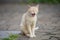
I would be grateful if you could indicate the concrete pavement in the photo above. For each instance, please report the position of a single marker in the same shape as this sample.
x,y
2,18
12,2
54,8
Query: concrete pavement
x,y
48,20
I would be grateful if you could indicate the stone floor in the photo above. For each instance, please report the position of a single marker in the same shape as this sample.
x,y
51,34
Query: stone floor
x,y
48,20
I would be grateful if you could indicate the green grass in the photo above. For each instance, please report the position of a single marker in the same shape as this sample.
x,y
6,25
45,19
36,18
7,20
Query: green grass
x,y
44,1
11,37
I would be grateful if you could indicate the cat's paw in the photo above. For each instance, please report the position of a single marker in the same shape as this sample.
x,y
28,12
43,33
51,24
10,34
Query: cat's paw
x,y
29,35
34,35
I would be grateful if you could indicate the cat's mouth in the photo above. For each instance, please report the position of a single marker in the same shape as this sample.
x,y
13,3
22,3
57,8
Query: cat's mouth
x,y
33,14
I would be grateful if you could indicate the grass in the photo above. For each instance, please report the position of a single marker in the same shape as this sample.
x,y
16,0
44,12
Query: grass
x,y
11,37
44,1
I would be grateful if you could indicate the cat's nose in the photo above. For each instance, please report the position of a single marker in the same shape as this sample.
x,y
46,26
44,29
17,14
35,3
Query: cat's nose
x,y
33,13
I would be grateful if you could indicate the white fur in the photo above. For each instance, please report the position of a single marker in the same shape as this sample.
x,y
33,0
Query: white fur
x,y
28,22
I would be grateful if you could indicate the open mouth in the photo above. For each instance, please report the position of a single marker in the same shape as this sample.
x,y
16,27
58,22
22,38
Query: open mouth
x,y
33,14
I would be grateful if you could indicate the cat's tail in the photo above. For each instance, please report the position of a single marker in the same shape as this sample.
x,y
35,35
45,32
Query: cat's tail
x,y
36,28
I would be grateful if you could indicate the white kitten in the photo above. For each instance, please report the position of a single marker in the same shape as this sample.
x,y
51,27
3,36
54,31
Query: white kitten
x,y
28,23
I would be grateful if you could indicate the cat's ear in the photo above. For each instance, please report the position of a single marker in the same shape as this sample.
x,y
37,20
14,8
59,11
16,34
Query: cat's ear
x,y
29,6
37,6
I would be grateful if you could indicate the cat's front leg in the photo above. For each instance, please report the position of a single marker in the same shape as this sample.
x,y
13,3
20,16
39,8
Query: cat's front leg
x,y
33,29
29,31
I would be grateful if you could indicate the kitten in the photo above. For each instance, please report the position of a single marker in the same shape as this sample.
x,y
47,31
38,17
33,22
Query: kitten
x,y
28,23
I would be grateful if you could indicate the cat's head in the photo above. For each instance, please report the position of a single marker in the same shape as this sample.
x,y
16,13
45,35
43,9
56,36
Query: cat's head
x,y
33,10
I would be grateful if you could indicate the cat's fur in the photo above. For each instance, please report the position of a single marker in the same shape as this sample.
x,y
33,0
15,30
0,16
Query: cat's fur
x,y
28,23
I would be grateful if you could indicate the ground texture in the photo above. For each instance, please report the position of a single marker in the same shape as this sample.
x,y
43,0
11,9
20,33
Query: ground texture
x,y
48,20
